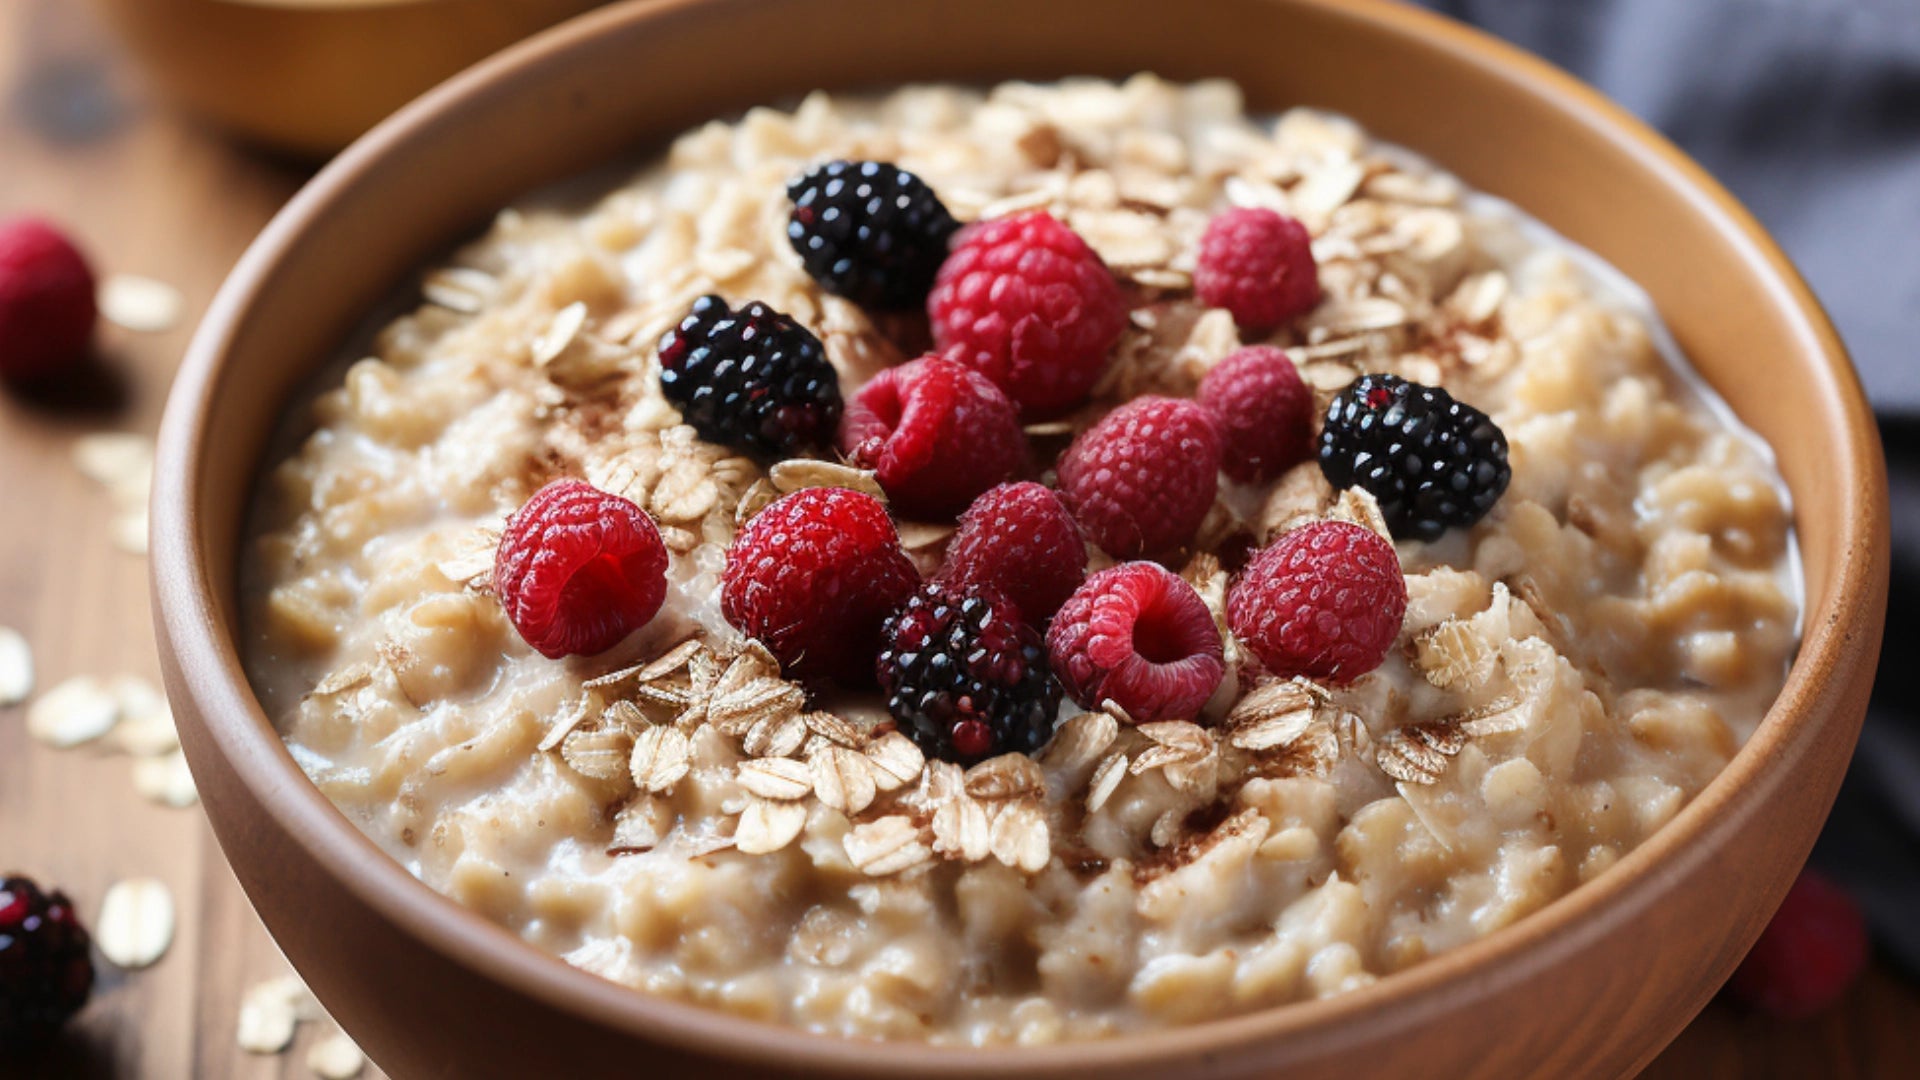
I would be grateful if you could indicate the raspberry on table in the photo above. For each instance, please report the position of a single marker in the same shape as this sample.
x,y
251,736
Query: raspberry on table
x,y
1258,264
1324,601
812,577
578,569
752,379
1026,302
1430,461
47,307
936,433
1138,634
966,679
46,969
1019,540
1809,954
1263,411
869,231
1141,480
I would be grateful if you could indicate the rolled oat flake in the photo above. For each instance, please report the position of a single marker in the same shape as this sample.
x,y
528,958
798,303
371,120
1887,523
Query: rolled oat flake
x,y
136,923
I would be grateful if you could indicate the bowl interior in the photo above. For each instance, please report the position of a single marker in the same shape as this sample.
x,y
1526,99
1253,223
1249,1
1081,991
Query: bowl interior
x,y
622,78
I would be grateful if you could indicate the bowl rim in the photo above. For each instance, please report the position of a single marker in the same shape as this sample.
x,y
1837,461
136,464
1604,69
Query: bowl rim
x,y
191,627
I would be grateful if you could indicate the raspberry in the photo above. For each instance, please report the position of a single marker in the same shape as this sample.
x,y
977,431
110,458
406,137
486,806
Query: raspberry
x,y
1323,601
1431,461
754,379
1142,479
1258,264
46,971
1814,948
1026,302
965,677
46,300
1138,634
1019,539
869,231
936,433
578,569
813,576
1264,413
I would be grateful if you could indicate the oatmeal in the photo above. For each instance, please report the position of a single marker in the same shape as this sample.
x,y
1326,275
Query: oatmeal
x,y
1594,620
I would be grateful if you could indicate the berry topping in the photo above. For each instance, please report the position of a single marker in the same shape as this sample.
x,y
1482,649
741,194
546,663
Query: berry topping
x,y
936,434
1142,479
46,971
578,569
1263,411
965,677
1137,634
1431,461
1814,948
813,576
1324,601
1026,302
46,301
1258,264
869,231
1019,540
752,379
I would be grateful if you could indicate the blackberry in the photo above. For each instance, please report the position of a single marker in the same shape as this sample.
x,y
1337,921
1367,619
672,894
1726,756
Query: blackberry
x,y
1431,461
869,231
46,971
753,379
965,677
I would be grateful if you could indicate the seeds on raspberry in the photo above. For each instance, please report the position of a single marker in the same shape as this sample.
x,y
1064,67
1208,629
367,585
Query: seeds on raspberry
x,y
1026,302
812,577
1810,953
47,306
936,433
753,379
46,970
1141,481
869,231
1019,540
1431,462
579,569
1324,601
1258,264
1140,635
965,677
1263,411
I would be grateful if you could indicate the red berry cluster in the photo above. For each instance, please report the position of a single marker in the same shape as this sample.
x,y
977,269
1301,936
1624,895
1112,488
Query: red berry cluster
x,y
1024,319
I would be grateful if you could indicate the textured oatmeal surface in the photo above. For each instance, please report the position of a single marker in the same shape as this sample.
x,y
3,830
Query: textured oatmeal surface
x,y
675,816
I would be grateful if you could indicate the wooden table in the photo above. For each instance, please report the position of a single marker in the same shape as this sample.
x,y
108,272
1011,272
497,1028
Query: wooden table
x,y
149,192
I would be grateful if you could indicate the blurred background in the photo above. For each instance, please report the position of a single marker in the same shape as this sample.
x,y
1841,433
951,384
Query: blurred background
x,y
138,127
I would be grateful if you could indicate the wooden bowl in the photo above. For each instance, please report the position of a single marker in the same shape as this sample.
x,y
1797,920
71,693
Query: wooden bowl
x,y
1593,985
308,76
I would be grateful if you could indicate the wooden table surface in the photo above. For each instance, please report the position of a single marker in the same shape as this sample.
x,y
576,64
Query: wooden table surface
x,y
148,192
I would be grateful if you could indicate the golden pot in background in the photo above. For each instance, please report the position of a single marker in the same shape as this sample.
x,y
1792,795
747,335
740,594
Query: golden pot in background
x,y
308,76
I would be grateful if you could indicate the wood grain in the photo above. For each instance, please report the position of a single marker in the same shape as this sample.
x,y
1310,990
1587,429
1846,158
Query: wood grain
x,y
151,193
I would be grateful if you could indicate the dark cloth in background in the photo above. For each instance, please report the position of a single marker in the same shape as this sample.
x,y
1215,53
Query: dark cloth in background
x,y
1809,110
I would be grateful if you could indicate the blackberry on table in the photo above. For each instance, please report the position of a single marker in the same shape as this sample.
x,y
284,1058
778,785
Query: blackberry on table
x,y
46,970
753,379
869,231
966,679
1432,462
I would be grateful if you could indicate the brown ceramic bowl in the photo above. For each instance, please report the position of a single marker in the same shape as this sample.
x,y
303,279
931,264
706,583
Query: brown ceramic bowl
x,y
1593,985
308,76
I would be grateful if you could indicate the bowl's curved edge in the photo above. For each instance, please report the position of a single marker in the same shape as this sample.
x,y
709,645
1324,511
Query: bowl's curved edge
x,y
191,627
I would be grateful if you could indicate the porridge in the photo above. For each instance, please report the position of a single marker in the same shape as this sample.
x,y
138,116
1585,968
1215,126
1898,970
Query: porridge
x,y
1248,675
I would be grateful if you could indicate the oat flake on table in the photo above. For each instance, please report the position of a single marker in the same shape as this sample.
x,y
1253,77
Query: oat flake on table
x,y
136,923
16,667
76,711
140,303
